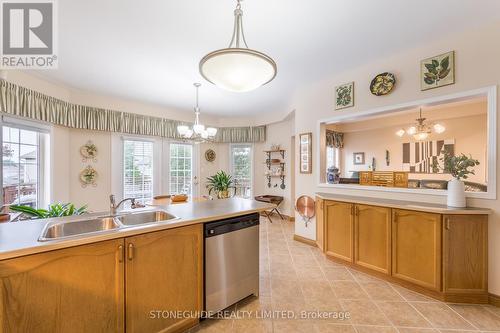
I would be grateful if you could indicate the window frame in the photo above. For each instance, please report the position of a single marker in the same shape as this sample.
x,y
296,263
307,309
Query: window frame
x,y
153,162
231,165
194,172
44,189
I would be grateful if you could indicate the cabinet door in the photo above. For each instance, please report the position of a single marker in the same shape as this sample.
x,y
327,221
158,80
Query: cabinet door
x,y
465,253
164,272
339,230
78,289
416,247
372,237
320,227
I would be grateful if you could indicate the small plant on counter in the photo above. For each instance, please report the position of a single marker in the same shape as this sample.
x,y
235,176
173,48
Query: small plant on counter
x,y
457,166
221,182
54,210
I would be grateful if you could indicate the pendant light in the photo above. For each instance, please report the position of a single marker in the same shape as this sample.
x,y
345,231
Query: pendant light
x,y
197,133
421,130
238,68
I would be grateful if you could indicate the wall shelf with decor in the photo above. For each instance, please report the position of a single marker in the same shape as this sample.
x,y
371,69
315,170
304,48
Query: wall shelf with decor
x,y
276,172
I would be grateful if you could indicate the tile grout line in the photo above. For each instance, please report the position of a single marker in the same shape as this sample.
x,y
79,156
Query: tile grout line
x,y
467,321
373,301
414,308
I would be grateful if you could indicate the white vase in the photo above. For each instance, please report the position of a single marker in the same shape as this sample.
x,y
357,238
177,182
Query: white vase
x,y
456,193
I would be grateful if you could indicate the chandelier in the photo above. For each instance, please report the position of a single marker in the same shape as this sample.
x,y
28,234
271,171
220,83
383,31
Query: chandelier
x,y
238,68
198,133
421,130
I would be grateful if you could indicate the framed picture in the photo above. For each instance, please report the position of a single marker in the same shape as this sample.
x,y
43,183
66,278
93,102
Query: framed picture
x,y
305,144
344,96
437,71
358,158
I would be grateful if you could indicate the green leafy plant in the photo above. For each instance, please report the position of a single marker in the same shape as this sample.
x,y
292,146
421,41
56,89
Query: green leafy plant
x,y
458,166
436,71
54,210
221,182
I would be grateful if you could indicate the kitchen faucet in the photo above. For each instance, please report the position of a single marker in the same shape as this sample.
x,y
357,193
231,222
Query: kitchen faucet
x,y
113,207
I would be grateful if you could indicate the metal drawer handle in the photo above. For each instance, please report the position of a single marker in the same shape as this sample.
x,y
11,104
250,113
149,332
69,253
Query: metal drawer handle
x,y
121,253
130,251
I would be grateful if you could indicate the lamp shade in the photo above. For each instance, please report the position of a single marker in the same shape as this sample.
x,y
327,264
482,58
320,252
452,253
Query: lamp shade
x,y
238,69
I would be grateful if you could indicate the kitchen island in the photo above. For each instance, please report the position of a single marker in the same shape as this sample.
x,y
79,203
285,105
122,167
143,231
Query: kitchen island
x,y
141,278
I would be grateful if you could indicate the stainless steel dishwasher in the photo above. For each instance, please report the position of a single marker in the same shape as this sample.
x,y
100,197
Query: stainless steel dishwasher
x,y
231,261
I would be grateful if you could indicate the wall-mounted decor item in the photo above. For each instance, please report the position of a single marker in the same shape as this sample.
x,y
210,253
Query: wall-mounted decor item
x,y
382,84
437,71
305,140
88,176
426,156
344,96
89,152
387,158
306,207
358,158
210,155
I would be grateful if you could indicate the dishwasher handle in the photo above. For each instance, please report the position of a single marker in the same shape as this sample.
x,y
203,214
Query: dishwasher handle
x,y
221,227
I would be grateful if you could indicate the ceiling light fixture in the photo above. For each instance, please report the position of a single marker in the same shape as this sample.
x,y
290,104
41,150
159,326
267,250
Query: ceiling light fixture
x,y
421,130
197,133
238,68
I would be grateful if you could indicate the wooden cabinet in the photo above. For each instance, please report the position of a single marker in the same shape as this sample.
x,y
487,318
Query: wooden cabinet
x,y
78,289
465,254
416,248
442,255
339,230
164,271
372,237
320,227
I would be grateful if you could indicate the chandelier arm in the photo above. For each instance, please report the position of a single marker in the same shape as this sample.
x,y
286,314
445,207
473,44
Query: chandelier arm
x,y
234,31
242,33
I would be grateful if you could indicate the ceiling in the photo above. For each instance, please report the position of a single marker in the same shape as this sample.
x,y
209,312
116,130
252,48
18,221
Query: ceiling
x,y
149,50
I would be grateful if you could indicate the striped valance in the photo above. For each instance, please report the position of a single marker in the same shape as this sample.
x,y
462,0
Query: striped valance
x,y
22,102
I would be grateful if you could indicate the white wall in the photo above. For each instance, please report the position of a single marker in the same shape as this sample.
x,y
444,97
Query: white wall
x,y
477,54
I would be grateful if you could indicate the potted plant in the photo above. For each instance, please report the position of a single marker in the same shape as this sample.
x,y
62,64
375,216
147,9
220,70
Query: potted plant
x,y
459,167
54,210
221,182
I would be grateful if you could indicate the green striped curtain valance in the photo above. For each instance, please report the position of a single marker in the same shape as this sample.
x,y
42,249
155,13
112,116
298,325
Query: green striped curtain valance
x,y
22,102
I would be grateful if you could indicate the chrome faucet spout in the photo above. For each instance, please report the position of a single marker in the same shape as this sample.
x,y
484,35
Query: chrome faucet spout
x,y
113,206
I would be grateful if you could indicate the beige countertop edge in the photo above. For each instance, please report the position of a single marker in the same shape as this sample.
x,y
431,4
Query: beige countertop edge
x,y
408,205
39,247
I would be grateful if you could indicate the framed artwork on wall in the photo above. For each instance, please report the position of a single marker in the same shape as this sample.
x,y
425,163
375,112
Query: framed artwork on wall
x,y
305,145
437,71
344,96
358,158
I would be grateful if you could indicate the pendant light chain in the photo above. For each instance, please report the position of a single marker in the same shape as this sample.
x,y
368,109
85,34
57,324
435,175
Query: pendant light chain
x,y
238,34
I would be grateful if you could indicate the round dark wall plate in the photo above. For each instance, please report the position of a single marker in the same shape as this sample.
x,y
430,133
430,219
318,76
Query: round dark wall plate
x,y
383,84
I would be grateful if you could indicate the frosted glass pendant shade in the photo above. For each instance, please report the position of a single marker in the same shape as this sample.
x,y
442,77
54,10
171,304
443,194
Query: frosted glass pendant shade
x,y
238,70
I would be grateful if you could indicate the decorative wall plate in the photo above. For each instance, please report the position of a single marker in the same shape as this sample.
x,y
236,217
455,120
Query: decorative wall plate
x,y
210,155
89,151
88,176
382,84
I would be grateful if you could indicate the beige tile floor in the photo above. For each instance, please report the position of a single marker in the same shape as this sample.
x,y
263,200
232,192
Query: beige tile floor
x,y
297,278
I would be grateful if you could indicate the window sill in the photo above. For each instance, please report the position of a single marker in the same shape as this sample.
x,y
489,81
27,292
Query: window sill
x,y
476,195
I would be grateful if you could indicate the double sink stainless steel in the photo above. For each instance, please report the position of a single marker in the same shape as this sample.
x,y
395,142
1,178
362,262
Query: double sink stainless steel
x,y
70,229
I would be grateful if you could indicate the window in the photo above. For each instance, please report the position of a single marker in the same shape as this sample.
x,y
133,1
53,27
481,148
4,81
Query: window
x,y
241,169
181,168
138,170
23,167
332,157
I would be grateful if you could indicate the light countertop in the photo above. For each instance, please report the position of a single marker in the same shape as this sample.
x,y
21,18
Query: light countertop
x,y
402,204
21,238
